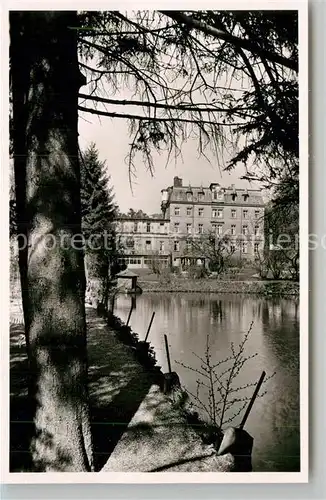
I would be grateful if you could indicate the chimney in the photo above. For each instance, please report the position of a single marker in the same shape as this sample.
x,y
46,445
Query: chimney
x,y
177,182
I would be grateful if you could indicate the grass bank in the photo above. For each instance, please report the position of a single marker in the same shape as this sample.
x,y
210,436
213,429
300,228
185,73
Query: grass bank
x,y
260,288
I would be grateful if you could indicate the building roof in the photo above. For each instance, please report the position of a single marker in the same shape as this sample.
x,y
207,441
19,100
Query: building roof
x,y
126,274
155,218
179,194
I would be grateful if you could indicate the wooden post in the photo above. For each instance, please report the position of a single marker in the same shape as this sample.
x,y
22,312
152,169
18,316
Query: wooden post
x,y
112,304
248,410
149,326
133,300
129,315
167,353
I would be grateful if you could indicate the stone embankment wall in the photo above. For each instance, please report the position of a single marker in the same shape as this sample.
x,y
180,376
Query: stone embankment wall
x,y
261,288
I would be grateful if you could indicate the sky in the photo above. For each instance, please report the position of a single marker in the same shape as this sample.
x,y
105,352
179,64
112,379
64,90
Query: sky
x,y
112,140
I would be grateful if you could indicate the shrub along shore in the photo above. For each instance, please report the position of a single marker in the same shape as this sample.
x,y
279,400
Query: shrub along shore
x,y
206,285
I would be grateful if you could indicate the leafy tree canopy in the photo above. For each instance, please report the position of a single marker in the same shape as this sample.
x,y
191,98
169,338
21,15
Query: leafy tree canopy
x,y
227,79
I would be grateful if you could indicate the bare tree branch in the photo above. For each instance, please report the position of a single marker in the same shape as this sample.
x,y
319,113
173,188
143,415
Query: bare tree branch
x,y
244,44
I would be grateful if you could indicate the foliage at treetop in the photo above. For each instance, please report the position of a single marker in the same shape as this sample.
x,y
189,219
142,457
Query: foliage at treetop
x,y
282,249
98,215
227,79
97,199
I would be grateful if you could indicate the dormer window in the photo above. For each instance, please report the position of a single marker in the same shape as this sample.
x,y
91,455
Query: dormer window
x,y
217,192
189,193
245,195
234,196
201,194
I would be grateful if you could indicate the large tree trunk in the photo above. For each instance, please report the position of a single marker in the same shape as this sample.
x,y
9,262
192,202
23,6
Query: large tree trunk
x,y
45,81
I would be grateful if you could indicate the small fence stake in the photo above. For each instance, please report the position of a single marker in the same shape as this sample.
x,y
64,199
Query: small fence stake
x,y
167,352
129,315
149,326
248,410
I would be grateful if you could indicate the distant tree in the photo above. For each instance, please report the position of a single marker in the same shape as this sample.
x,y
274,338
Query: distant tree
x,y
98,222
156,264
282,237
138,214
217,250
131,213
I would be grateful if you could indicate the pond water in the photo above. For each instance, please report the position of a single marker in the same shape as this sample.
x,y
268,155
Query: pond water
x,y
188,318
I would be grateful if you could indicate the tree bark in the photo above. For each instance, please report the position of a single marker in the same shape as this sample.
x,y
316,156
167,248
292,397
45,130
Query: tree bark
x,y
45,81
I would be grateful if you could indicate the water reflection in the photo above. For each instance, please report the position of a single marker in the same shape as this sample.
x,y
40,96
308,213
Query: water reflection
x,y
187,319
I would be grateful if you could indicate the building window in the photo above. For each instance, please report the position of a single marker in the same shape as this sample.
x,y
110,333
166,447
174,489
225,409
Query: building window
x,y
135,227
176,246
214,228
188,228
220,213
188,246
134,261
233,230
200,228
214,195
214,213
177,211
176,227
233,213
189,210
256,230
130,242
245,196
244,230
200,212
148,227
244,247
232,248
219,229
189,196
148,244
234,196
161,224
200,196
256,248
257,213
245,214
161,246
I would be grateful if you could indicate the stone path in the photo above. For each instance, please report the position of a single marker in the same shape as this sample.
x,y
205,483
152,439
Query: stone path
x,y
158,439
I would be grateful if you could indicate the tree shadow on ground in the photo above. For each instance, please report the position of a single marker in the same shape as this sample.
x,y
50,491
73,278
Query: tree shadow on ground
x,y
22,430
117,386
21,426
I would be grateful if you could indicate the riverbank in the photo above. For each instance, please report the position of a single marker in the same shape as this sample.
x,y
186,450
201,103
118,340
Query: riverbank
x,y
135,425
208,285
